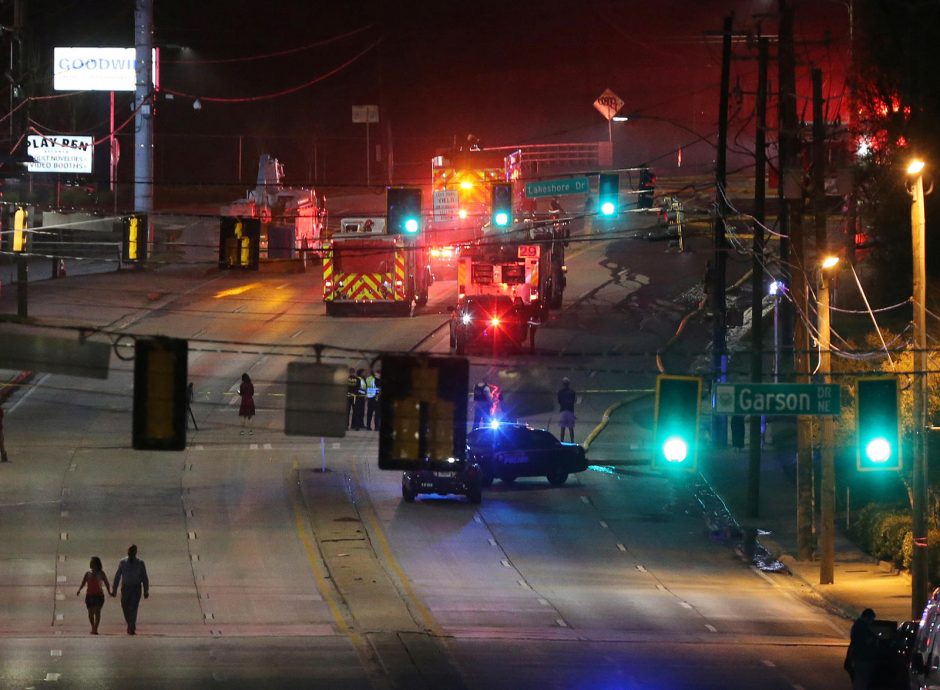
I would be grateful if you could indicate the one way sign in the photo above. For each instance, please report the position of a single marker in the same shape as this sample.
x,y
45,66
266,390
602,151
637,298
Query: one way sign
x,y
608,104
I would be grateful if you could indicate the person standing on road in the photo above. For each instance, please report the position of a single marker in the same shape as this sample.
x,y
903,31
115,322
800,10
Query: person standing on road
x,y
132,576
359,402
566,400
482,403
247,408
373,400
94,598
3,448
863,648
352,384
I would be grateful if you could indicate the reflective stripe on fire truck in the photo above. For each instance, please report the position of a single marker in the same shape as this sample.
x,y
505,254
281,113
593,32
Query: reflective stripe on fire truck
x,y
400,286
328,287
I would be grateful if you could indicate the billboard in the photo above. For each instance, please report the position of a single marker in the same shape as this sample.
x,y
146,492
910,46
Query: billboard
x,y
97,69
60,154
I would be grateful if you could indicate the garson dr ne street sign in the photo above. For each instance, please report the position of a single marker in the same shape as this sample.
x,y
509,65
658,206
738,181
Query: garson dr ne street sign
x,y
778,398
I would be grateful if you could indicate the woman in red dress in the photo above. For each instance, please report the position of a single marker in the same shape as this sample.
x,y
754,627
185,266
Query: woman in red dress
x,y
247,409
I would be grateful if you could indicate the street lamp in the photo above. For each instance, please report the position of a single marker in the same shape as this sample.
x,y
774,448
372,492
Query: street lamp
x,y
828,490
919,498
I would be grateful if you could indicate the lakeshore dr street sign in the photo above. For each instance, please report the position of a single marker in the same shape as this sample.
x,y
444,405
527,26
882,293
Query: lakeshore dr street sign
x,y
778,398
560,187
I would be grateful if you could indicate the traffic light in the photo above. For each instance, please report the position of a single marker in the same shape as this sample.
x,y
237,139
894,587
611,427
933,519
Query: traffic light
x,y
609,194
876,424
161,398
135,235
20,219
423,413
501,205
678,405
403,206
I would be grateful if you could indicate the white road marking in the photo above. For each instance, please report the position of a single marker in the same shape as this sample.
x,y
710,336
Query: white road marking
x,y
294,335
59,596
336,445
281,286
641,568
192,535
210,616
267,446
622,547
253,446
492,541
55,652
585,499
711,627
685,604
61,578
544,602
64,513
194,556
200,447
62,558
662,588
603,524
768,663
524,584
561,622
505,563
60,616
477,519
53,677
64,536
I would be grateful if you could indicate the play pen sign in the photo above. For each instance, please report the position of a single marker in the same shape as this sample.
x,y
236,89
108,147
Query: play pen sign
x,y
60,154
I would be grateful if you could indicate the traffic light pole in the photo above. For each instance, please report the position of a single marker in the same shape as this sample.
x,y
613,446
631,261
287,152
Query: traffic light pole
x,y
828,489
919,580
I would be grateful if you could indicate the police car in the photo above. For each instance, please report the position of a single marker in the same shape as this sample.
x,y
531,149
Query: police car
x,y
464,480
509,451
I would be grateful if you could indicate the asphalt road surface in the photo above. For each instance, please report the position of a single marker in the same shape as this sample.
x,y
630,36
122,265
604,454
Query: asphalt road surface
x,y
267,572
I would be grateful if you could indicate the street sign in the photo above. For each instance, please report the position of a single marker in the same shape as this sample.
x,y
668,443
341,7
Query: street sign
x,y
316,400
608,104
778,398
365,114
446,205
560,187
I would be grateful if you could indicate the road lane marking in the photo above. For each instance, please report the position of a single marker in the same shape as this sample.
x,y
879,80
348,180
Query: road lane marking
x,y
55,652
768,663
295,334
524,584
61,579
544,602
603,524
64,536
622,547
60,616
267,446
491,541
64,513
662,588
641,568
192,534
505,563
685,604
253,446
477,519
585,499
52,677
561,622
711,627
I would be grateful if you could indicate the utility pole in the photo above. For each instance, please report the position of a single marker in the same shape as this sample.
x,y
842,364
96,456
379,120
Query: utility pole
x,y
828,490
791,227
719,356
919,564
143,117
18,134
757,277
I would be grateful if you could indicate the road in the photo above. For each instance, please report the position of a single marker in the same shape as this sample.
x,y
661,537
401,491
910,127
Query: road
x,y
270,573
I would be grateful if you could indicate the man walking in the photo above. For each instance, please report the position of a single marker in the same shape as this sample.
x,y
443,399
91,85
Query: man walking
x,y
566,400
359,401
132,576
352,384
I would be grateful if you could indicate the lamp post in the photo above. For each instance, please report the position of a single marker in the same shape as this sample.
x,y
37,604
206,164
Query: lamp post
x,y
919,498
828,488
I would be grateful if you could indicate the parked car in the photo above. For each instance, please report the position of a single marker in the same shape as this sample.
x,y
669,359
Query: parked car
x,y
510,451
491,324
463,481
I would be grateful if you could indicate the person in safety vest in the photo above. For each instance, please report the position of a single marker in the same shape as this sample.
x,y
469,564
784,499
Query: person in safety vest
x,y
352,384
359,401
373,403
482,403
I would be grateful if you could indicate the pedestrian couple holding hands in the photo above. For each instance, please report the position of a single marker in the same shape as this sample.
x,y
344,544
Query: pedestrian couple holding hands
x,y
131,576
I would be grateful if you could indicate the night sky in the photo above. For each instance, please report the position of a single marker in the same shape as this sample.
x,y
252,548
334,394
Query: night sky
x,y
509,72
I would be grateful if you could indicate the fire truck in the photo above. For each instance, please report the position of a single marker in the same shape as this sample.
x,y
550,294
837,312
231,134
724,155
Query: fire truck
x,y
461,184
293,219
529,269
368,270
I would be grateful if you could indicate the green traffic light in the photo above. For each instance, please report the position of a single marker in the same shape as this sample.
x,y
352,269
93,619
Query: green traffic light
x,y
411,225
608,208
878,450
675,449
501,218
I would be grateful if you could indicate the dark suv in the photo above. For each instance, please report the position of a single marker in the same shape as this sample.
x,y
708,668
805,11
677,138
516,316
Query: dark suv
x,y
490,323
